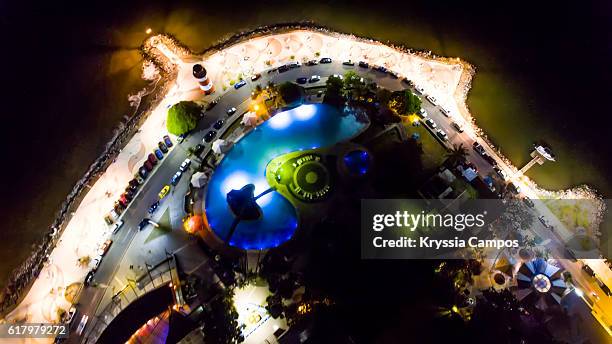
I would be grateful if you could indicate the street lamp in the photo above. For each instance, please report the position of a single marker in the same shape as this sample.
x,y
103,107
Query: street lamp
x,y
148,31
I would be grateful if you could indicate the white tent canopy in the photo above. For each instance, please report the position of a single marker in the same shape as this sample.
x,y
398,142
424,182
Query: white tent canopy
x,y
199,179
221,146
250,119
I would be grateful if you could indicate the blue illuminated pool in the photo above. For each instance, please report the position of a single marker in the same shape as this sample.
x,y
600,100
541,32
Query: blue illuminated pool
x,y
305,127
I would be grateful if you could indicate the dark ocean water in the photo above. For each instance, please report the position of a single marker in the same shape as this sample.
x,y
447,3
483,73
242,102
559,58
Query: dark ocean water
x,y
543,74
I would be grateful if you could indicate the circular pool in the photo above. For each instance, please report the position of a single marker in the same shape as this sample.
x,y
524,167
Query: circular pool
x,y
305,127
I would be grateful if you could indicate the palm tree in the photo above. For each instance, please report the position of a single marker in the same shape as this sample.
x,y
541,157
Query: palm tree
x,y
457,154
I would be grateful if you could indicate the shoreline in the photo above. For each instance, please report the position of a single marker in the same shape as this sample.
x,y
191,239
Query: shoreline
x,y
127,132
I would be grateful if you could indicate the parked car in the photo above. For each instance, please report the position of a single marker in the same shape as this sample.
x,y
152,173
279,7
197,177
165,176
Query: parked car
x,y
432,99
152,159
420,90
442,134
255,77
231,111
89,277
423,113
283,69
176,178
314,78
198,149
348,63
153,207
212,104
139,178
430,123
218,124
363,64
131,187
528,202
478,148
379,69
489,159
143,223
457,126
185,165
117,226
325,60
312,63
514,188
159,154
134,182
143,172
210,135
393,74
123,200
407,81
272,70
105,247
129,193
301,80
167,141
162,146
445,112
240,84
339,76
500,172
96,263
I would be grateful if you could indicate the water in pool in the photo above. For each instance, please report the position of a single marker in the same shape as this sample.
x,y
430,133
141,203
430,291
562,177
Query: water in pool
x,y
305,127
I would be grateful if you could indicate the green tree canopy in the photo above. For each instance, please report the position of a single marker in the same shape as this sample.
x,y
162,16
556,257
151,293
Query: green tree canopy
x,y
290,92
333,94
183,117
404,102
221,321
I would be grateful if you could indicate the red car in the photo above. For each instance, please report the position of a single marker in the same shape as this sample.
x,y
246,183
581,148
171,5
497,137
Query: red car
x,y
148,165
123,200
152,159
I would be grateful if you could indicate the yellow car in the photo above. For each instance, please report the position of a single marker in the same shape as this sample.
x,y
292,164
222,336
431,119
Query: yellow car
x,y
164,192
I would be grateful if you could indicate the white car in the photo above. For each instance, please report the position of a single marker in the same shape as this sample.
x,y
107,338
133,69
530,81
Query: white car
x,y
338,76
314,78
117,226
96,263
445,112
442,134
432,100
423,113
185,165
431,123
231,111
419,89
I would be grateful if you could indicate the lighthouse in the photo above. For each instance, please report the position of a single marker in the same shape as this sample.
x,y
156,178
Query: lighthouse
x,y
199,72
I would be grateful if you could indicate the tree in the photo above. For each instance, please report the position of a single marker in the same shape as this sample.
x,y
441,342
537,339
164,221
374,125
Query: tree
x,y
221,321
457,154
404,102
183,117
333,94
289,92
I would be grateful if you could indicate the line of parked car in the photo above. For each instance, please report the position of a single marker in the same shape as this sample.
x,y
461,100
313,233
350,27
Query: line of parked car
x,y
133,185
